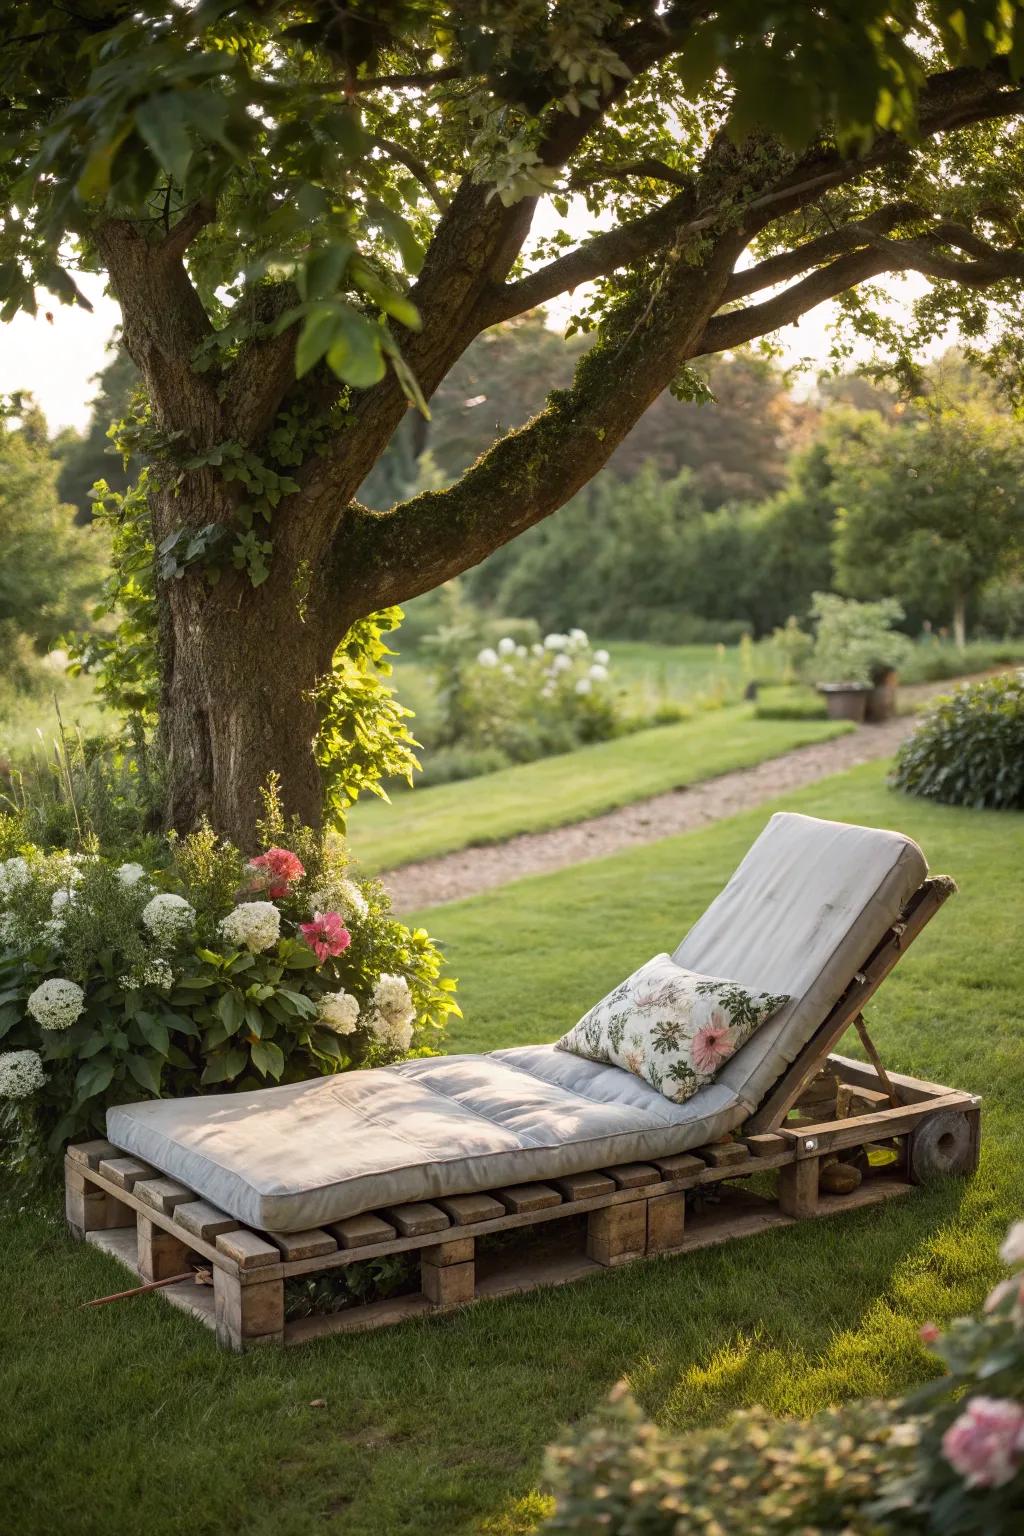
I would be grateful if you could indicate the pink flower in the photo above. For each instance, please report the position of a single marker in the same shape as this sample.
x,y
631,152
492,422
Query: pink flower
x,y
326,935
929,1333
275,870
986,1443
711,1046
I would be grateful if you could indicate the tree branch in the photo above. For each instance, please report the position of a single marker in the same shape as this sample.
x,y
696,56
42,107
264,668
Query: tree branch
x,y
414,166
778,269
878,254
180,235
650,167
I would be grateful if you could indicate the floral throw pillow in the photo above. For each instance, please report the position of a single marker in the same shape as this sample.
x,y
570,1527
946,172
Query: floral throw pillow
x,y
670,1026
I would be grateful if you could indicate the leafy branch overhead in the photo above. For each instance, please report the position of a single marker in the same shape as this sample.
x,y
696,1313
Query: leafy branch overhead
x,y
307,213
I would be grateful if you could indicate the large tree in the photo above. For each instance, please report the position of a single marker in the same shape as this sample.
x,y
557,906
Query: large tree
x,y
308,211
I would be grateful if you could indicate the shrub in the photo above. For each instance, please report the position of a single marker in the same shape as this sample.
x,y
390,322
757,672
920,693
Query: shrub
x,y
513,702
121,981
788,702
969,748
855,642
949,1459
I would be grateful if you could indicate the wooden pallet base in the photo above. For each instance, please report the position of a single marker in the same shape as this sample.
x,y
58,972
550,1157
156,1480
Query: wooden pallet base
x,y
561,1232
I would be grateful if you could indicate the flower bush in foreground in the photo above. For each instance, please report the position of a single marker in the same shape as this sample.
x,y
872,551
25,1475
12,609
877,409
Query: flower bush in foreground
x,y
946,1461
207,973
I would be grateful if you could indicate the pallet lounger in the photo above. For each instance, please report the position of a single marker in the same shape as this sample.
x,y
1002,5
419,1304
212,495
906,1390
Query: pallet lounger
x,y
809,1122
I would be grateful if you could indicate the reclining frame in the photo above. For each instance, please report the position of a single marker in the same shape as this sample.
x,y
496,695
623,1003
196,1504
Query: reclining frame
x,y
825,1109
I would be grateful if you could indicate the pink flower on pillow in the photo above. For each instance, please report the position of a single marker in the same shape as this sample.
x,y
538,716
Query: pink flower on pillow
x,y
712,1044
986,1443
275,871
326,935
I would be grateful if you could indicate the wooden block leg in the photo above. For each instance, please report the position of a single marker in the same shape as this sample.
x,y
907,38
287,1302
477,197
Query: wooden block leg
x,y
160,1254
247,1315
798,1188
666,1218
448,1273
90,1209
617,1233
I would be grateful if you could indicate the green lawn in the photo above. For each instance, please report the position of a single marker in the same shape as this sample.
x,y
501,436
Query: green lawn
x,y
126,1421
558,790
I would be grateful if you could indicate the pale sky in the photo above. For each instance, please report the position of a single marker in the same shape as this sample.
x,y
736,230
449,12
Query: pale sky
x,y
57,359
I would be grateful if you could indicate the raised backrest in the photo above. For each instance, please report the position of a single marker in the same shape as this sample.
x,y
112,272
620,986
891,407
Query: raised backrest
x,y
802,913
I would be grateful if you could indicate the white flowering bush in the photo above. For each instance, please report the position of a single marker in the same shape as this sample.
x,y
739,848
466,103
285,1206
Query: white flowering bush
x,y
946,1461
523,702
208,973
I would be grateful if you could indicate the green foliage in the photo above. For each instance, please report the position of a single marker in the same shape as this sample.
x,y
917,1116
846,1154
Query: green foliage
x,y
930,510
909,1468
855,642
50,569
84,459
178,1005
969,749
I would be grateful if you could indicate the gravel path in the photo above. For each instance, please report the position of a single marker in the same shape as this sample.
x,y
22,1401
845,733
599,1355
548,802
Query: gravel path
x,y
455,875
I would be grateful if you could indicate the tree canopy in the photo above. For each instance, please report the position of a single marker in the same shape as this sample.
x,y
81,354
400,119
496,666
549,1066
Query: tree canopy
x,y
307,213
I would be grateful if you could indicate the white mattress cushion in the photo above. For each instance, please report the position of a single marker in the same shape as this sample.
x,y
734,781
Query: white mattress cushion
x,y
288,1158
803,912
801,915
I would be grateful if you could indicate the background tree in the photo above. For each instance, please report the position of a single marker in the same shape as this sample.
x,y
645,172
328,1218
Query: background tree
x,y
930,511
308,213
91,456
50,570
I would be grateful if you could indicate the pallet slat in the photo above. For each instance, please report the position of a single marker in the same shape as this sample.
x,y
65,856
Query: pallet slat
x,y
203,1220
162,1194
632,1175
462,1210
521,1198
90,1153
303,1245
246,1249
415,1220
125,1172
361,1231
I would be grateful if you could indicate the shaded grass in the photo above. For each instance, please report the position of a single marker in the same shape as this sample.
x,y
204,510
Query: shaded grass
x,y
126,1421
557,790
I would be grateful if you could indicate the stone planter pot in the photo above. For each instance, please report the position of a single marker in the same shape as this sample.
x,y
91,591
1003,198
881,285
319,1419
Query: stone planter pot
x,y
845,701
881,700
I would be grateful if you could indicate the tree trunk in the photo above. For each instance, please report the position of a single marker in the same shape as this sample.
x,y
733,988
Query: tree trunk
x,y
238,669
959,620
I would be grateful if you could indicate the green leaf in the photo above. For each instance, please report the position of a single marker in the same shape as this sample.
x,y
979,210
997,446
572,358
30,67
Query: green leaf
x,y
162,122
231,1011
146,1073
95,1077
154,1032
268,1058
319,332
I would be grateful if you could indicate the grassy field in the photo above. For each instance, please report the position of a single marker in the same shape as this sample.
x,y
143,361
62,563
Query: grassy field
x,y
126,1421
533,796
29,724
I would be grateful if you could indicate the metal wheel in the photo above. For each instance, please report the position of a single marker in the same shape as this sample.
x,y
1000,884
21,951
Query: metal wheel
x,y
943,1144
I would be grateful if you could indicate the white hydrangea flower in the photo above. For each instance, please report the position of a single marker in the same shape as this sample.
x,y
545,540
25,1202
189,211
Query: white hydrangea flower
x,y
53,931
521,651
155,973
254,925
506,646
14,874
396,1033
598,673
342,896
537,649
508,670
562,662
584,685
62,897
21,1073
578,636
488,657
130,874
339,1011
555,642
392,998
1012,1251
56,1003
602,658
168,917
